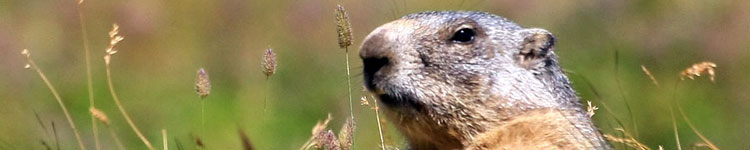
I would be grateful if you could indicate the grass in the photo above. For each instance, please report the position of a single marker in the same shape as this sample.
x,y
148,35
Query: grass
x,y
321,136
32,65
114,39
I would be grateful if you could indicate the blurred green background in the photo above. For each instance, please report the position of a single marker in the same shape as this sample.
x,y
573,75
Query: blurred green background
x,y
603,44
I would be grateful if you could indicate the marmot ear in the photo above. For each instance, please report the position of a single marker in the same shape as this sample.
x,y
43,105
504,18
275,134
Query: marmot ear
x,y
536,47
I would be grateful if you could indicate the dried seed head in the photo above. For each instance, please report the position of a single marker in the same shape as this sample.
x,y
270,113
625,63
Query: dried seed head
x,y
27,54
269,63
697,69
320,126
648,73
343,28
363,101
99,115
114,38
346,134
591,109
202,83
327,140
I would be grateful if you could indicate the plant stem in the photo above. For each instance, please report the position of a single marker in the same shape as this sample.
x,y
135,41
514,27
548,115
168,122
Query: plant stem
x,y
349,83
164,139
90,85
377,117
59,101
122,110
203,121
117,139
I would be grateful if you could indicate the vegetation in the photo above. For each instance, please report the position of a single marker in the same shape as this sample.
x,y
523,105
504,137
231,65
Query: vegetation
x,y
632,59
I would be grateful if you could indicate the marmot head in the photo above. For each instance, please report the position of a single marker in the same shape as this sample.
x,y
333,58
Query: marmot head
x,y
447,76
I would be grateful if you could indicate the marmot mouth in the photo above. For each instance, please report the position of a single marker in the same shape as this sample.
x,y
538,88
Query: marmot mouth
x,y
398,101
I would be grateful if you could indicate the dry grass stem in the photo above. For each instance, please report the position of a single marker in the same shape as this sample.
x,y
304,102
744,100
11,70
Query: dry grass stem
x,y
114,39
114,136
699,68
164,139
89,82
674,128
32,65
377,118
627,140
648,73
705,140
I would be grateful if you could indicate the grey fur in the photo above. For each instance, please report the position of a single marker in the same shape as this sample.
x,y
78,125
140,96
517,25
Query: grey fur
x,y
442,93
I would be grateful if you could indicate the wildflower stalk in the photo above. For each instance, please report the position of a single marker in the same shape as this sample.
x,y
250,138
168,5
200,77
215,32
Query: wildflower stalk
x,y
99,115
377,117
85,39
32,65
114,39
269,68
344,30
203,88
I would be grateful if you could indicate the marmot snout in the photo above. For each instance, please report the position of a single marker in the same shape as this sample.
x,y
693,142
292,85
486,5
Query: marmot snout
x,y
472,80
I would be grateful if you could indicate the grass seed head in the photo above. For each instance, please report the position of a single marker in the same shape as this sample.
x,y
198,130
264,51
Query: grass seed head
x,y
591,109
27,54
202,83
699,68
269,63
343,27
114,38
346,134
99,115
327,140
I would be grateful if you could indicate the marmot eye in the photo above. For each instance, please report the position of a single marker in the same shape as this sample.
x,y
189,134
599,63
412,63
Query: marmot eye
x,y
464,35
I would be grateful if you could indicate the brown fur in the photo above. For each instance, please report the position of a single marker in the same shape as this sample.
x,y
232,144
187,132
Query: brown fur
x,y
471,80
538,129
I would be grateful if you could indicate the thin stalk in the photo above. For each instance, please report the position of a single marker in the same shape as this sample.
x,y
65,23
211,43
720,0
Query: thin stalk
x,y
674,127
114,137
377,117
690,124
59,101
671,114
692,127
164,139
84,34
122,110
624,99
203,121
349,84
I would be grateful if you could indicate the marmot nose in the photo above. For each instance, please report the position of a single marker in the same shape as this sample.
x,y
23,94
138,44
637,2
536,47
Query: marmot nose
x,y
371,66
375,54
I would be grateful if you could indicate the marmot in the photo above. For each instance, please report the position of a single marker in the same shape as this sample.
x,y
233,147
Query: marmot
x,y
473,80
